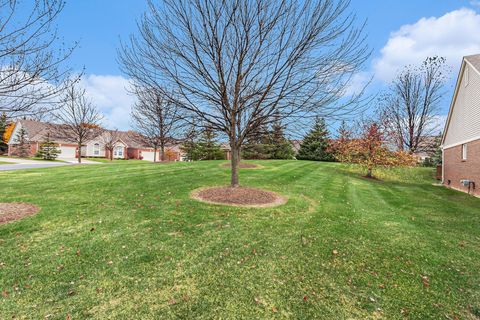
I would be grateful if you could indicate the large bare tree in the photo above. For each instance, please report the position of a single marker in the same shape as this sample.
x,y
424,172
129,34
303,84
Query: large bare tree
x,y
31,57
78,118
158,118
410,107
235,64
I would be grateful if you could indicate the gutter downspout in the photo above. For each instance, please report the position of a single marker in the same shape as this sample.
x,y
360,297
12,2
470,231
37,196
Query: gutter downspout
x,y
443,165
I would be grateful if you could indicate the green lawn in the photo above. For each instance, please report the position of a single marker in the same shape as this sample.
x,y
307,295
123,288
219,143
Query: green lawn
x,y
3,162
124,241
104,160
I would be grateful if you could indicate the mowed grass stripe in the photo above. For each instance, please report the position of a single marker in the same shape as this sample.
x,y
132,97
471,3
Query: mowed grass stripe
x,y
155,253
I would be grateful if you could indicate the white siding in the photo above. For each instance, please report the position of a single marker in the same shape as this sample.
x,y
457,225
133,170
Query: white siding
x,y
90,149
464,122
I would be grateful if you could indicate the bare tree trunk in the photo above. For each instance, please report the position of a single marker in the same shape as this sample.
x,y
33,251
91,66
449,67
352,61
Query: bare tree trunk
x,y
369,173
155,155
162,150
79,152
235,161
111,154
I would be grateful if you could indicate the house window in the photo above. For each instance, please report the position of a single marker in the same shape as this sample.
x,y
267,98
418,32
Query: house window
x,y
464,152
118,151
466,76
96,149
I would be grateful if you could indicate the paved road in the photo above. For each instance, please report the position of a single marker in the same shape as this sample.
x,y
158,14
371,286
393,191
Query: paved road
x,y
21,164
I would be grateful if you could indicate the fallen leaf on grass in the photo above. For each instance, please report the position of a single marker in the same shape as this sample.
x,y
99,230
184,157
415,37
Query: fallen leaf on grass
x,y
334,252
425,281
78,252
5,293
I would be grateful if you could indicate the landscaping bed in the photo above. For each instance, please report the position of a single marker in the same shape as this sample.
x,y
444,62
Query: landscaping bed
x,y
240,196
15,211
243,165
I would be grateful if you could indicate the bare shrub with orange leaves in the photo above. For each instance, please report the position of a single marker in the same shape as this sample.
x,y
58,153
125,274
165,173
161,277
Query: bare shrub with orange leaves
x,y
8,132
369,149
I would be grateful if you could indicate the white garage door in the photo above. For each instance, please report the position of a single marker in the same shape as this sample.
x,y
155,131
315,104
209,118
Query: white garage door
x,y
67,152
148,155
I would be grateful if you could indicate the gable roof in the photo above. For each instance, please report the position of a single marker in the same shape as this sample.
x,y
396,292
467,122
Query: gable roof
x,y
37,131
474,62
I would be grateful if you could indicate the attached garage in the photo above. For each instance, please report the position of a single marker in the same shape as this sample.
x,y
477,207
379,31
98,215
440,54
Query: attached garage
x,y
149,155
67,152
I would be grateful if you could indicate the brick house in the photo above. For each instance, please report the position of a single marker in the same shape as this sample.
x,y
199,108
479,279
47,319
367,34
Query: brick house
x,y
130,144
461,137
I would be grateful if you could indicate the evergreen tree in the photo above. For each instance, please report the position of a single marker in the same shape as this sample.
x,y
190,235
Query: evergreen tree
x,y
315,145
280,147
209,148
190,145
436,154
23,146
48,149
3,128
257,146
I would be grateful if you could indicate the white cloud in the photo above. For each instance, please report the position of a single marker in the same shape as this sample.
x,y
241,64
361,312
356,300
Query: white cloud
x,y
358,83
110,95
475,3
452,36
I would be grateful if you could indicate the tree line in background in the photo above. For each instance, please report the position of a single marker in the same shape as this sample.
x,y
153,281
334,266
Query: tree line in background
x,y
245,72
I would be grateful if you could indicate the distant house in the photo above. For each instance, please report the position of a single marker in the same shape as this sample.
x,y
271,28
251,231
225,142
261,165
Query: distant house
x,y
296,145
461,137
130,145
426,148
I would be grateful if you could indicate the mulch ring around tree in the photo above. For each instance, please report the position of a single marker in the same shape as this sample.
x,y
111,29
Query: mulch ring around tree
x,y
15,211
239,197
242,165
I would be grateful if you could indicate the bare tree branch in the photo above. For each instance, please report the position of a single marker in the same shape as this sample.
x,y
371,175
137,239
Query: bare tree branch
x,y
78,118
235,64
411,105
110,138
158,119
31,74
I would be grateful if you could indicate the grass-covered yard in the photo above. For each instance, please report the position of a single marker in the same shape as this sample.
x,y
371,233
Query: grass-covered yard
x,y
125,241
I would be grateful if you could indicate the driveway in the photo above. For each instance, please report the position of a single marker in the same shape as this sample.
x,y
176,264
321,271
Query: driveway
x,y
21,164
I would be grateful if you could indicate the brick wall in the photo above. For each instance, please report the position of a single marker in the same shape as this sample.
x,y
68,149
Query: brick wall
x,y
13,150
455,169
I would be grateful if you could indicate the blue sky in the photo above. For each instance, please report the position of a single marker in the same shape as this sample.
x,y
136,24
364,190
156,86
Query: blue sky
x,y
399,33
